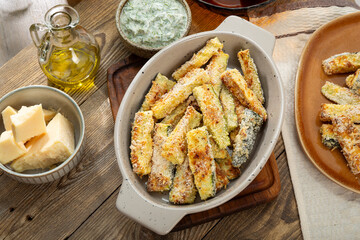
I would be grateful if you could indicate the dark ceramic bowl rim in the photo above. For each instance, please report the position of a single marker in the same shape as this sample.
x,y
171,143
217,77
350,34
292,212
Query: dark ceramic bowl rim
x,y
236,9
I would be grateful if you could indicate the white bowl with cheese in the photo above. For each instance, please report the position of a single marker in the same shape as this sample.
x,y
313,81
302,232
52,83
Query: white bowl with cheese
x,y
49,98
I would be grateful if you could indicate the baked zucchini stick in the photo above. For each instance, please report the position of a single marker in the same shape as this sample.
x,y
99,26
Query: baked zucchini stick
x,y
235,82
328,136
353,81
159,87
250,73
349,138
212,47
201,161
341,63
142,143
215,68
213,115
217,152
174,117
162,171
228,104
245,140
221,179
183,190
329,112
174,147
226,165
179,93
340,95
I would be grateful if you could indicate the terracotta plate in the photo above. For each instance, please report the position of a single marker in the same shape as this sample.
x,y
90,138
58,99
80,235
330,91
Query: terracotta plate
x,y
337,36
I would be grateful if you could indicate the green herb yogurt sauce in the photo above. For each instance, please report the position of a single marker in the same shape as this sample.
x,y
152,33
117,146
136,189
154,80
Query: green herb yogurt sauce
x,y
153,23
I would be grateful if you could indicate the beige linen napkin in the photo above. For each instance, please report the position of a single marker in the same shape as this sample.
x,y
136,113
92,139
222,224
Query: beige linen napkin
x,y
327,211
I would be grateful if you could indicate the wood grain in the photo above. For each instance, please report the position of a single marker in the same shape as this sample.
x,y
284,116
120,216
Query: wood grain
x,y
81,205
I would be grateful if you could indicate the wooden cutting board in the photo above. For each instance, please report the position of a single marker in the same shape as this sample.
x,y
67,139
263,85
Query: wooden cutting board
x,y
264,188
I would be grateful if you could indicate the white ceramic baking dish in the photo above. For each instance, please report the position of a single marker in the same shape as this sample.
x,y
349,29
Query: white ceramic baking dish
x,y
153,209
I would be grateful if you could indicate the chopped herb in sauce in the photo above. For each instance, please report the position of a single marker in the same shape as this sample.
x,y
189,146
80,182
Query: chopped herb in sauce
x,y
153,23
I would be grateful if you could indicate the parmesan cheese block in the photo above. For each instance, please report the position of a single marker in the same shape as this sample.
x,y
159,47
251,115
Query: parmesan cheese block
x,y
55,146
48,115
8,111
9,149
28,122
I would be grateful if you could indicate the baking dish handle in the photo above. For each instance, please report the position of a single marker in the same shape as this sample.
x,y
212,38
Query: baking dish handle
x,y
238,25
156,218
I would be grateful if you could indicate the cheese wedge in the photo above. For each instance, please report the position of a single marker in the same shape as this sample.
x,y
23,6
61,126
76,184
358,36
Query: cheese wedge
x,y
27,123
9,149
51,148
8,111
48,115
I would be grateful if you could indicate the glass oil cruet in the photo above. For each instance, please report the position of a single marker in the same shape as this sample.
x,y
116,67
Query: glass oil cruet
x,y
68,54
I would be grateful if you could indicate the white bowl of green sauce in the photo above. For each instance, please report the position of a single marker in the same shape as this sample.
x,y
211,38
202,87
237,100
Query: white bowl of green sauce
x,y
145,27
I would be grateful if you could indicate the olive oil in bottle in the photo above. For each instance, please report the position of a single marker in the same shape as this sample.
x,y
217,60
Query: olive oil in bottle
x,y
68,55
72,67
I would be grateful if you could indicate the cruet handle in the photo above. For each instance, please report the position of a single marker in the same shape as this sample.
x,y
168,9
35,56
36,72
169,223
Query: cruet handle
x,y
37,31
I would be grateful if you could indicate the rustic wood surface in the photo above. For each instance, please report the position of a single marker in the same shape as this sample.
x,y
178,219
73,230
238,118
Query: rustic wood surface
x,y
81,205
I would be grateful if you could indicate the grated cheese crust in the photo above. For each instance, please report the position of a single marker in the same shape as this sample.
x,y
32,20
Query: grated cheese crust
x,y
212,47
341,63
142,143
201,161
159,87
179,93
183,190
174,148
215,68
340,95
213,115
162,171
250,73
235,82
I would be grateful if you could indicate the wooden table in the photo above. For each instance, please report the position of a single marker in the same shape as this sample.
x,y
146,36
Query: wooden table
x,y
81,205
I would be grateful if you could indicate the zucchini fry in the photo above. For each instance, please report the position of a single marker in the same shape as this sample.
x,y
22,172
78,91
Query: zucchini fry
x,y
328,136
213,115
201,161
250,73
174,147
142,143
217,152
329,112
212,47
228,104
183,190
221,179
353,81
341,63
349,138
215,68
179,93
245,140
226,165
235,82
159,87
174,117
340,95
162,171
